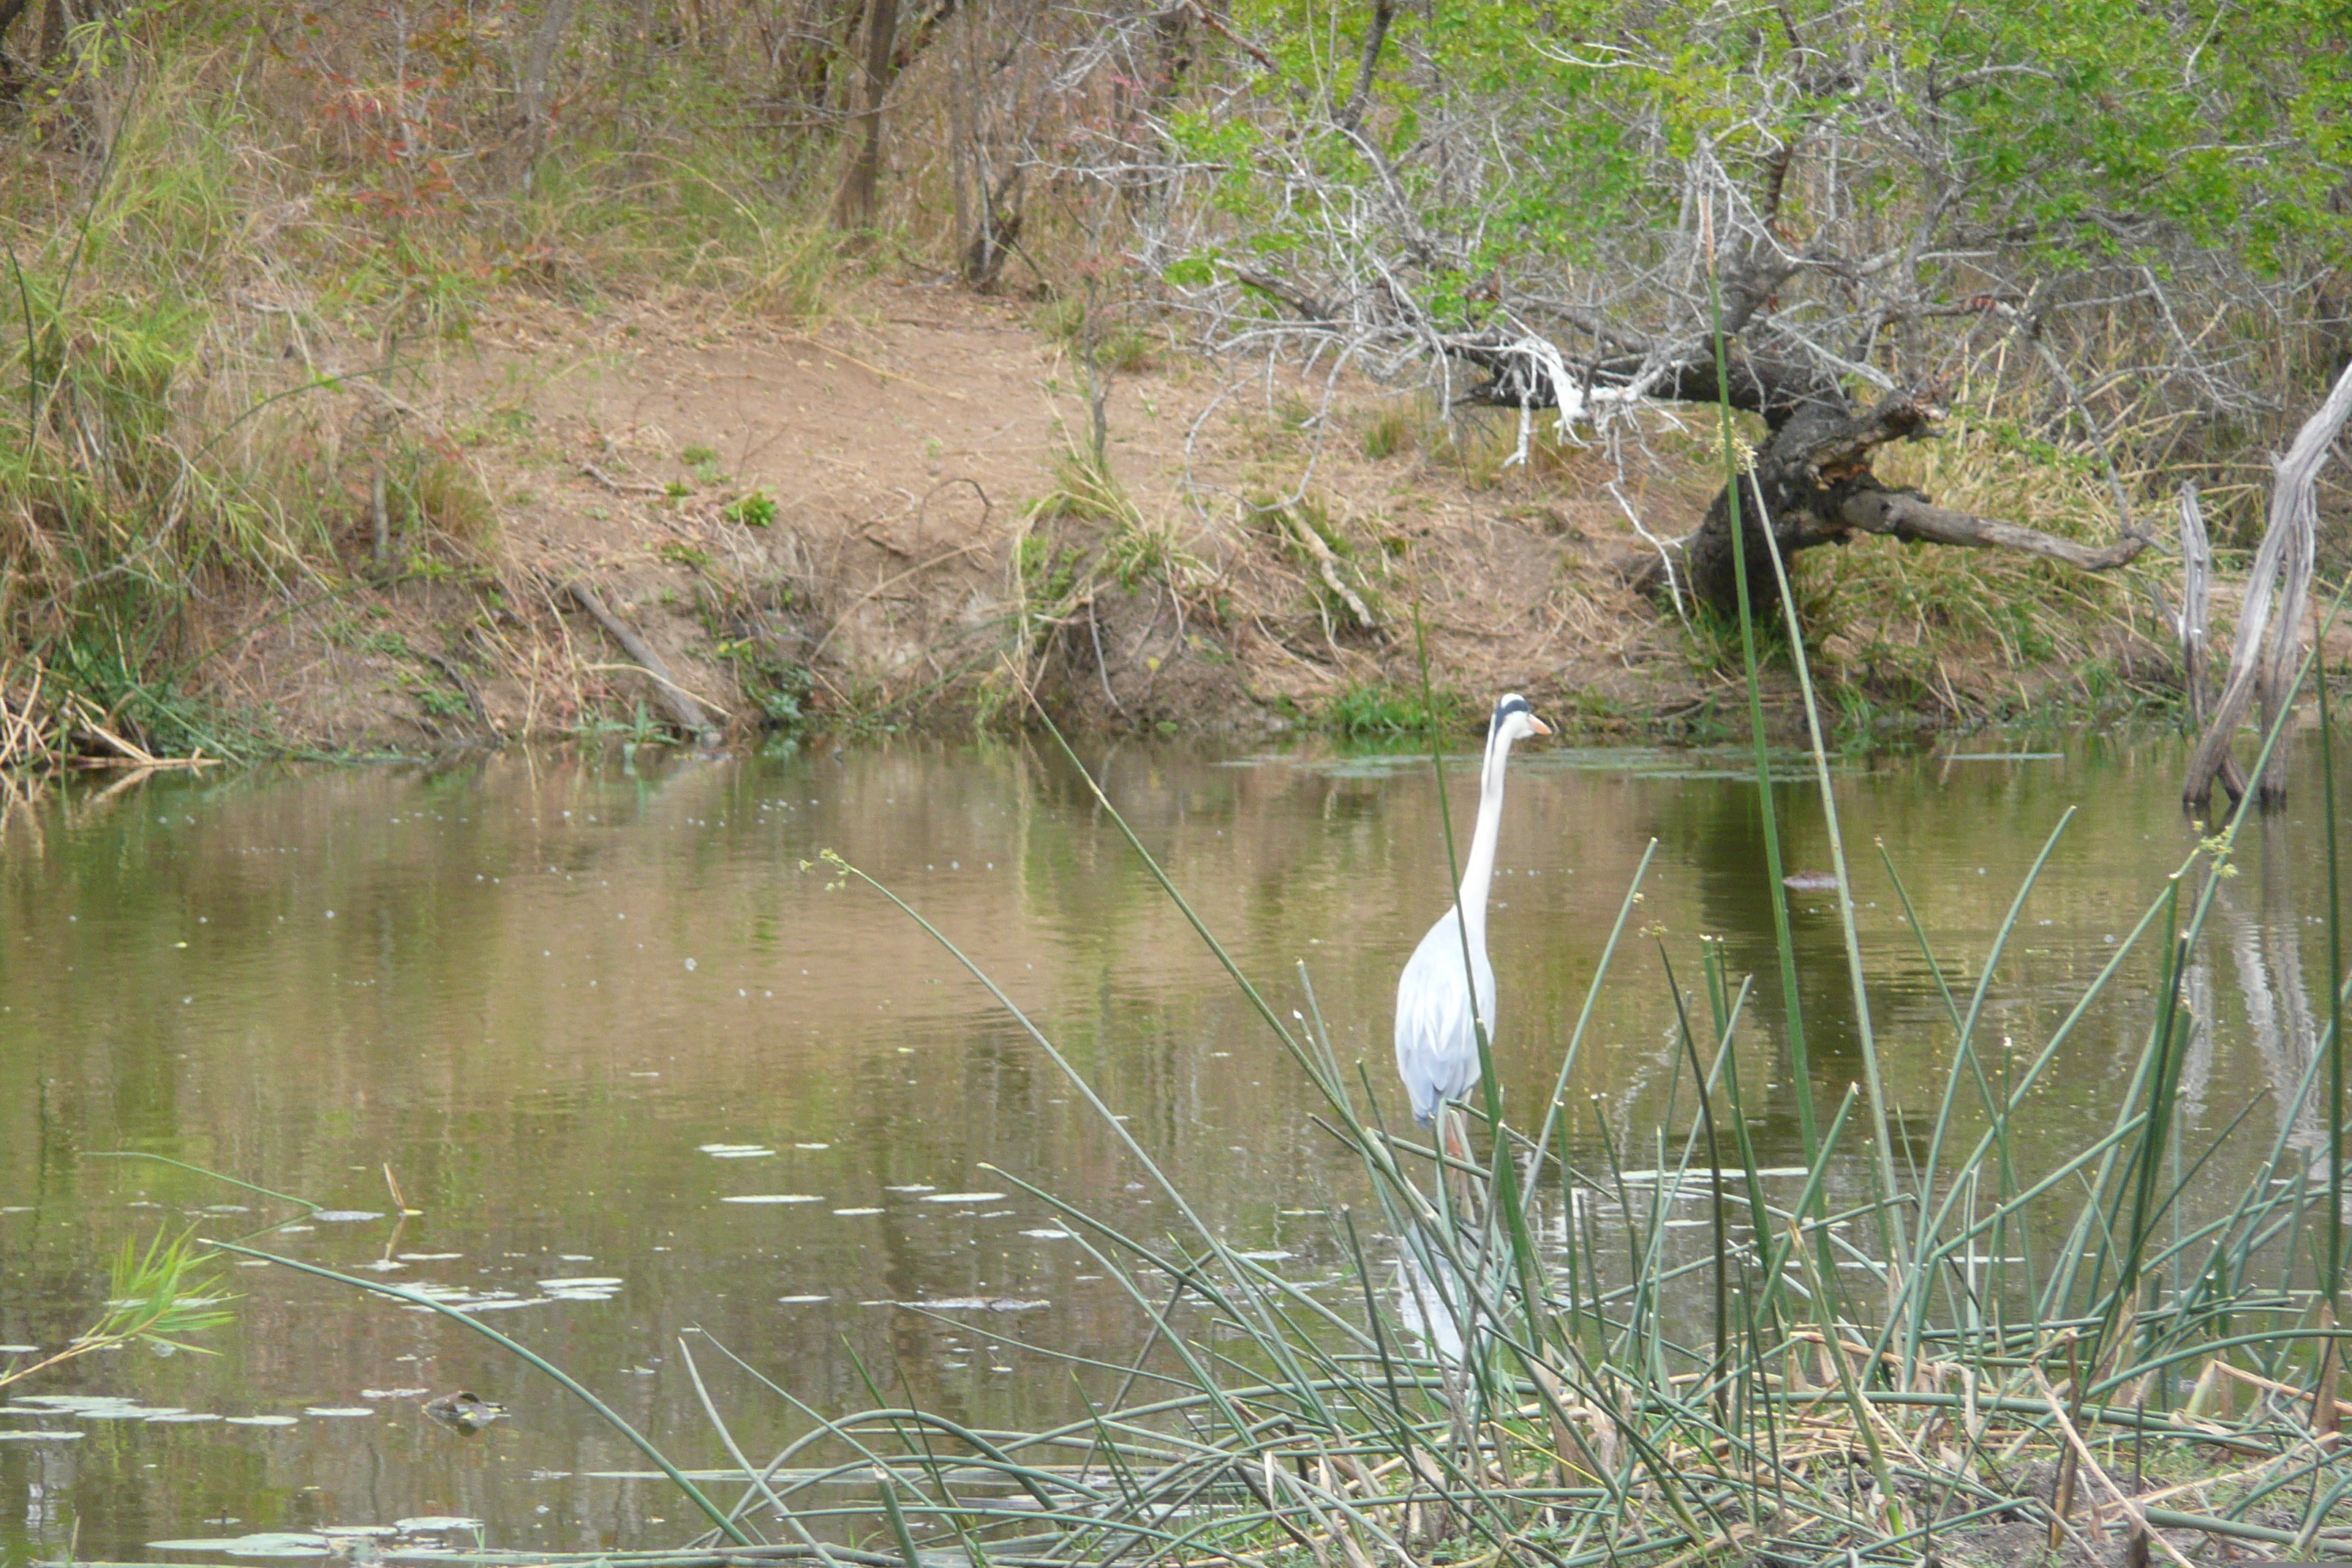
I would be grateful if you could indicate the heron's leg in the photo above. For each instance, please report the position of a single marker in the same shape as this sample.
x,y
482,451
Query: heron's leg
x,y
1453,1141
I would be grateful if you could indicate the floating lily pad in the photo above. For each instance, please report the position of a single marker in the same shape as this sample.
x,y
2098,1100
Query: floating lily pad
x,y
344,1216
507,1306
774,1198
268,1543
978,1304
963,1197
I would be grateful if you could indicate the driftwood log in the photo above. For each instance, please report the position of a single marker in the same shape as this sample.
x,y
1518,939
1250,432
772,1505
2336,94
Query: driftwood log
x,y
1813,474
683,709
2263,659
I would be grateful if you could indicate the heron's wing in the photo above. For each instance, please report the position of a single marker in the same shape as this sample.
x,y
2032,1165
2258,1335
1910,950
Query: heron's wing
x,y
1436,1041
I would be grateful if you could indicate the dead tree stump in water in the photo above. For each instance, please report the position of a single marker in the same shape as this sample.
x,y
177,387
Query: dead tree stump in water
x,y
2262,660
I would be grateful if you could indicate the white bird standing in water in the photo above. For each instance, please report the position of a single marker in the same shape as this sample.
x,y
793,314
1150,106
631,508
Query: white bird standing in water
x,y
1436,1039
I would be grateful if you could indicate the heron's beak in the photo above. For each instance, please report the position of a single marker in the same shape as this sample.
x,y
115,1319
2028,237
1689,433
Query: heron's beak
x,y
1537,726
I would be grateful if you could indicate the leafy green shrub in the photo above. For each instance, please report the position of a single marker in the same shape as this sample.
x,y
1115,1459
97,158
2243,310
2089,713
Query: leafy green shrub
x,y
777,685
1368,710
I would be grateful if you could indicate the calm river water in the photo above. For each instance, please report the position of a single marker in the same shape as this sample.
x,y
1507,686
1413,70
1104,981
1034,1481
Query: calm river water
x,y
644,1071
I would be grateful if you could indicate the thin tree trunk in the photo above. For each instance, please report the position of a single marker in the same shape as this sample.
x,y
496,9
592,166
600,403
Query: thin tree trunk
x,y
1351,113
56,21
854,202
538,65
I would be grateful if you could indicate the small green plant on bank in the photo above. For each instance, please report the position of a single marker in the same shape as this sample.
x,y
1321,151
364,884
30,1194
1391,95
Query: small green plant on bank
x,y
1047,569
156,1298
779,686
1374,710
1121,347
437,698
1390,433
1084,490
754,510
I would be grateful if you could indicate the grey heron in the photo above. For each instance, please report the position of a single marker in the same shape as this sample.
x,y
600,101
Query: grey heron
x,y
1436,1039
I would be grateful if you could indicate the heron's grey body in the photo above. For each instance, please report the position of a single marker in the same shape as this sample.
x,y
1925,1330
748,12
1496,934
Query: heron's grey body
x,y
1436,1031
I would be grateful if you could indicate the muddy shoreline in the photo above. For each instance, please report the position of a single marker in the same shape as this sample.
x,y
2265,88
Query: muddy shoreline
x,y
897,519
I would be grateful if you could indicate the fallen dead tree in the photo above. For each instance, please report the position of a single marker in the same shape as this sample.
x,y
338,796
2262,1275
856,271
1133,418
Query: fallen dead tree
x,y
1813,474
680,703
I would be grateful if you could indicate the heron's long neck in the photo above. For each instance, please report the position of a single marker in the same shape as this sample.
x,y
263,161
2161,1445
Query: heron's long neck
x,y
1478,870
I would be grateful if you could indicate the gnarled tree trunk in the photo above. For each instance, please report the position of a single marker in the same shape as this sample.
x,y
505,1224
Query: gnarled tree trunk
x,y
1810,480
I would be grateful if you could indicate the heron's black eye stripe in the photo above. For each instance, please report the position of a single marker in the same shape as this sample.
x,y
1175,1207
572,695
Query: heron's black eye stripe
x,y
1503,709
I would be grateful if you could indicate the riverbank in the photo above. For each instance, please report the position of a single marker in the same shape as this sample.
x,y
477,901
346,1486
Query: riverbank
x,y
890,513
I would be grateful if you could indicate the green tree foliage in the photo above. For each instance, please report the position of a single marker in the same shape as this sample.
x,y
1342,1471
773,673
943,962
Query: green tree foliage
x,y
1903,183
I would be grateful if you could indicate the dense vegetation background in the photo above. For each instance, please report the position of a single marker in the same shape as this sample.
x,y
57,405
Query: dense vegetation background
x,y
2105,242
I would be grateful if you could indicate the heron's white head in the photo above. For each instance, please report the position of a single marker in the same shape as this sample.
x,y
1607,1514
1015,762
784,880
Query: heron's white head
x,y
1513,721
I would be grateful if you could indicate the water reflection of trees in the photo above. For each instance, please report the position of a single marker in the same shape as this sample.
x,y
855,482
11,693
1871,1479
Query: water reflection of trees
x,y
1720,834
2265,938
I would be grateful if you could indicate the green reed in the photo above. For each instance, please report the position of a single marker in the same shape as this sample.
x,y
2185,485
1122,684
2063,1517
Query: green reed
x,y
1569,1415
